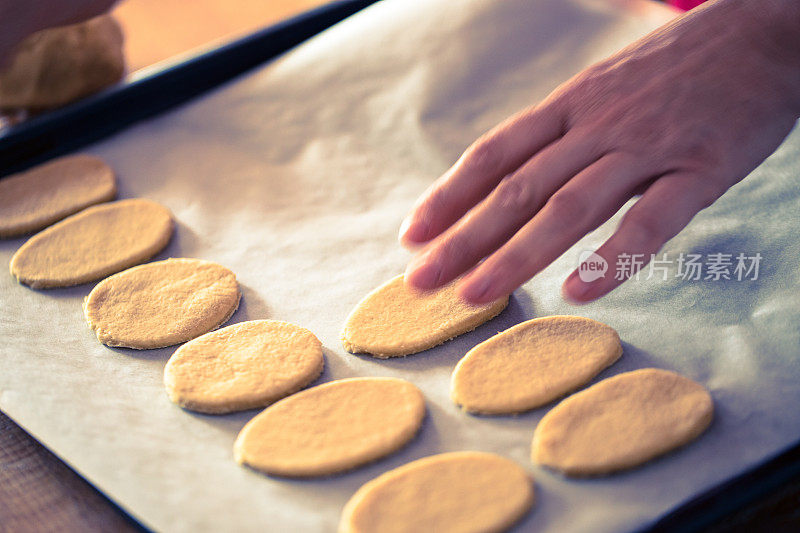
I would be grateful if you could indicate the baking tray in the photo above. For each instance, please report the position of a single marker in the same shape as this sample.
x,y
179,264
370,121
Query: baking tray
x,y
102,115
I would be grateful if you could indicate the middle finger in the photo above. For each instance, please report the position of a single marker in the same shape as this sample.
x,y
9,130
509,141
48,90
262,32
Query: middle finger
x,y
580,206
504,211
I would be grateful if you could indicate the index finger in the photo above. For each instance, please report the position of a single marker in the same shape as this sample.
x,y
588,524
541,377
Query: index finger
x,y
498,153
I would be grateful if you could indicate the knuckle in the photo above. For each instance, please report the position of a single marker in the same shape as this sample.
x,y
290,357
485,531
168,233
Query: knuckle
x,y
515,193
484,156
699,154
588,79
569,205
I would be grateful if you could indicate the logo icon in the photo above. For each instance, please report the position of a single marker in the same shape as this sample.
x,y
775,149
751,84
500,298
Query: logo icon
x,y
591,266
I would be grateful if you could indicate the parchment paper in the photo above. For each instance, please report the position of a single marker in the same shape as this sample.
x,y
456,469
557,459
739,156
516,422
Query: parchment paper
x,y
297,177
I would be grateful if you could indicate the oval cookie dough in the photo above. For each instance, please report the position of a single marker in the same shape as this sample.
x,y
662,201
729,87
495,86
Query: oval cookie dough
x,y
394,320
243,366
94,243
162,303
34,199
332,427
622,422
532,364
458,492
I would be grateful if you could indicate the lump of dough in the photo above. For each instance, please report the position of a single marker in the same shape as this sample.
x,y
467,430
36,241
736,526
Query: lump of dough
x,y
243,366
532,364
457,492
55,66
34,199
395,320
622,422
93,243
161,303
332,427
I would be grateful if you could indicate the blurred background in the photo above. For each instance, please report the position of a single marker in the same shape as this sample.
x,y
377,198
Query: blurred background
x,y
160,29
57,66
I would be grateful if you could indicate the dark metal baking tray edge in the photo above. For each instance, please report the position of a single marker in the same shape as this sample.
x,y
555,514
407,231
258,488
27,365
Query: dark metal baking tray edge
x,y
66,129
101,115
704,510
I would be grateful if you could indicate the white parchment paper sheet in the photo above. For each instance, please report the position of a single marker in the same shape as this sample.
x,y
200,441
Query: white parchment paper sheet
x,y
297,177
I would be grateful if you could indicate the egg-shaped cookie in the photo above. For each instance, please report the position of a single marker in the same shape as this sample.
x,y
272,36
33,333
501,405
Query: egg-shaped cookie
x,y
532,364
93,243
332,427
243,366
161,303
34,199
457,492
622,422
395,320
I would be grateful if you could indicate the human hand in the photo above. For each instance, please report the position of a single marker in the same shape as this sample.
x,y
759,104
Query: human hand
x,y
679,116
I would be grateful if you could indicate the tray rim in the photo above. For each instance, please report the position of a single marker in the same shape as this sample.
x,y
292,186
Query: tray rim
x,y
103,114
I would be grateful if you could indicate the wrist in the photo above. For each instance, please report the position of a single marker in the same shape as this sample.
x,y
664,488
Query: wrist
x,y
773,31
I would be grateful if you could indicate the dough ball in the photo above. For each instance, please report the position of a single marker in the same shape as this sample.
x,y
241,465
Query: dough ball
x,y
162,303
59,65
332,427
458,492
243,366
395,320
93,243
533,363
622,422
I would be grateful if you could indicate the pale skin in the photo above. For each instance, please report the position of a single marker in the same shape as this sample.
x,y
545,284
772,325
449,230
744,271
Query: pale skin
x,y
679,117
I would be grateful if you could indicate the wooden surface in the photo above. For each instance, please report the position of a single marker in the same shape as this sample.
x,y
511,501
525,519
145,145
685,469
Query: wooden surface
x,y
40,493
159,29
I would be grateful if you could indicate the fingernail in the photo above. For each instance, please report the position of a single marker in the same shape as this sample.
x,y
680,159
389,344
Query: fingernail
x,y
415,231
576,290
424,273
477,291
404,228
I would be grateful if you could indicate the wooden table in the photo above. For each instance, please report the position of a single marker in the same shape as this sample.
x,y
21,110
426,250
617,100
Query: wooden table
x,y
40,493
159,29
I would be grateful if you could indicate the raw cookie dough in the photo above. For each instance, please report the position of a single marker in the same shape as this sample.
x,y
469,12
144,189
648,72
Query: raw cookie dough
x,y
34,199
332,427
94,243
243,366
458,492
162,303
532,364
394,320
55,66
622,422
